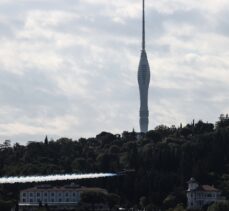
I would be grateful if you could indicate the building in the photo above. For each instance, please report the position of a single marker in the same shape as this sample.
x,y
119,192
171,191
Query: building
x,y
201,195
64,197
143,81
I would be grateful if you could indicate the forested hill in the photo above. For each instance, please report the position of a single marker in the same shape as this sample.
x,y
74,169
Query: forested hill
x,y
164,159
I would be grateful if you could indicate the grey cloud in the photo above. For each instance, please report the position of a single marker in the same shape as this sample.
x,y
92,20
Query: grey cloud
x,y
222,22
5,30
30,91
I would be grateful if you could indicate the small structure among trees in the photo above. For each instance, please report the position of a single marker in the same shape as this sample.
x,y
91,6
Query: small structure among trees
x,y
201,195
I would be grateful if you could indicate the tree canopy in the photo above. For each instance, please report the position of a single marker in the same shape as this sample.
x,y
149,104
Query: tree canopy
x,y
163,159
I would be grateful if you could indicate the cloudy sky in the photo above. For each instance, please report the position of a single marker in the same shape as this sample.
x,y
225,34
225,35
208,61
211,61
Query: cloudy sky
x,y
69,67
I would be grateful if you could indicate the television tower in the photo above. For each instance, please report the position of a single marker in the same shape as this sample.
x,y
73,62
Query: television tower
x,y
143,79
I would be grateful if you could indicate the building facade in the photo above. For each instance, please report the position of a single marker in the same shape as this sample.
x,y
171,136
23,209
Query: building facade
x,y
201,195
64,197
143,81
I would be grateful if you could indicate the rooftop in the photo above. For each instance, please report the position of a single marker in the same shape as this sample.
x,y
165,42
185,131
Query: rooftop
x,y
48,188
209,188
203,188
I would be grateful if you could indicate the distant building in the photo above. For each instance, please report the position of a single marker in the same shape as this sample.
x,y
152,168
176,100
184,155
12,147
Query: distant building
x,y
201,195
56,198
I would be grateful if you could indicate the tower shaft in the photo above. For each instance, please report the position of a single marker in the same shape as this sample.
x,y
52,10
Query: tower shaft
x,y
143,80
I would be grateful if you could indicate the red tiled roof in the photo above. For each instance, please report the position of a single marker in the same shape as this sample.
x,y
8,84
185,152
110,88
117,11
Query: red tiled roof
x,y
209,188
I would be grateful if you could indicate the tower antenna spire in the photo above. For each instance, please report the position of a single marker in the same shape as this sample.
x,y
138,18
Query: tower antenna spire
x,y
143,24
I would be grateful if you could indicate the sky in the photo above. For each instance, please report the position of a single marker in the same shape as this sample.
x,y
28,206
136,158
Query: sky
x,y
68,68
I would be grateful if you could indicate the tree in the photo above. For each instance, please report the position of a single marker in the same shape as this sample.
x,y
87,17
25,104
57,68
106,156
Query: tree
x,y
6,144
163,130
202,127
105,138
79,164
179,207
223,121
143,202
154,135
219,206
185,131
170,201
93,197
46,140
114,149
113,200
161,168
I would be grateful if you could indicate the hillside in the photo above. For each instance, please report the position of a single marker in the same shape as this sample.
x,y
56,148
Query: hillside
x,y
163,159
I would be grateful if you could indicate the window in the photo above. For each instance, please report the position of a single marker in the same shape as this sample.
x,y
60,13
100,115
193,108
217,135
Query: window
x,y
66,194
60,200
45,194
73,194
31,194
24,194
38,194
52,194
24,200
31,200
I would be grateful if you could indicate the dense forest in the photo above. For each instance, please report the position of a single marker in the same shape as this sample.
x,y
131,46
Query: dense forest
x,y
163,159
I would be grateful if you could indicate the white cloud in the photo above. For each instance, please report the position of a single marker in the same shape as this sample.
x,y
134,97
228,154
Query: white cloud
x,y
38,126
69,68
171,6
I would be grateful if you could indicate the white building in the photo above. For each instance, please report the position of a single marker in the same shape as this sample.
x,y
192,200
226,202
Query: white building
x,y
200,195
65,197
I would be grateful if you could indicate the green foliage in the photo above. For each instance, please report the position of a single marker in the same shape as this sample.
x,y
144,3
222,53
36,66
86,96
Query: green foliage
x,y
113,200
5,205
154,135
179,207
164,159
170,201
219,206
114,149
163,130
93,197
143,202
223,122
